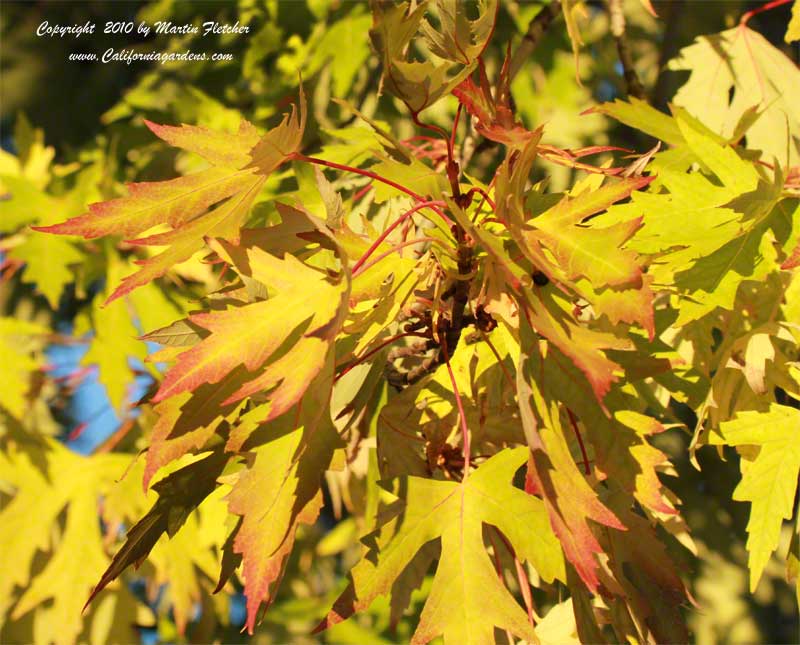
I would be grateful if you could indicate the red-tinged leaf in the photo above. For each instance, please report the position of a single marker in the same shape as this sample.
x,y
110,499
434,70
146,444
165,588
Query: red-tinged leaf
x,y
495,120
240,162
307,307
149,204
621,450
224,221
279,491
494,115
651,588
178,495
627,305
187,421
231,150
568,497
793,261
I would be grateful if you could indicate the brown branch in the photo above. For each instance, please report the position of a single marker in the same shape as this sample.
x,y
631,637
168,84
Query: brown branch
x,y
632,82
449,331
672,19
536,30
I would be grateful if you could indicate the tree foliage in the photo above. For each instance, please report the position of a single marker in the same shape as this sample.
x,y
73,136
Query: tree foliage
x,y
480,344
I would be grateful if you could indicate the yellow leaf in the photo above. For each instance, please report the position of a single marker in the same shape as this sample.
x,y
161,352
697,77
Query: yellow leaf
x,y
770,481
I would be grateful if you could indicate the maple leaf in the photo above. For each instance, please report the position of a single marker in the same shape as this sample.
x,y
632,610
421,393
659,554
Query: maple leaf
x,y
28,203
736,213
307,306
114,341
467,600
180,560
692,216
16,337
568,497
280,491
734,70
494,115
651,589
769,480
49,478
495,119
240,165
179,494
456,37
187,421
585,250
621,451
457,41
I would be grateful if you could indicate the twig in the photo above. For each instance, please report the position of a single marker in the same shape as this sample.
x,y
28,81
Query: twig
x,y
634,85
536,30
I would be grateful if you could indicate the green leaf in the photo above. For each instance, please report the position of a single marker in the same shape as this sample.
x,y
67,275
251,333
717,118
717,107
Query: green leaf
x,y
16,339
47,478
769,479
115,341
179,495
743,63
454,41
467,600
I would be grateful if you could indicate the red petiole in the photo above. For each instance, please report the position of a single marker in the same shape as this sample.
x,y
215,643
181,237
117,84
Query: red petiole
x,y
367,173
417,207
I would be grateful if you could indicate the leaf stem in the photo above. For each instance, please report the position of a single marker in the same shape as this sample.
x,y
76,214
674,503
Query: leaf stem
x,y
391,227
372,352
574,422
452,142
362,192
461,413
367,173
522,578
765,7
396,247
484,194
504,369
